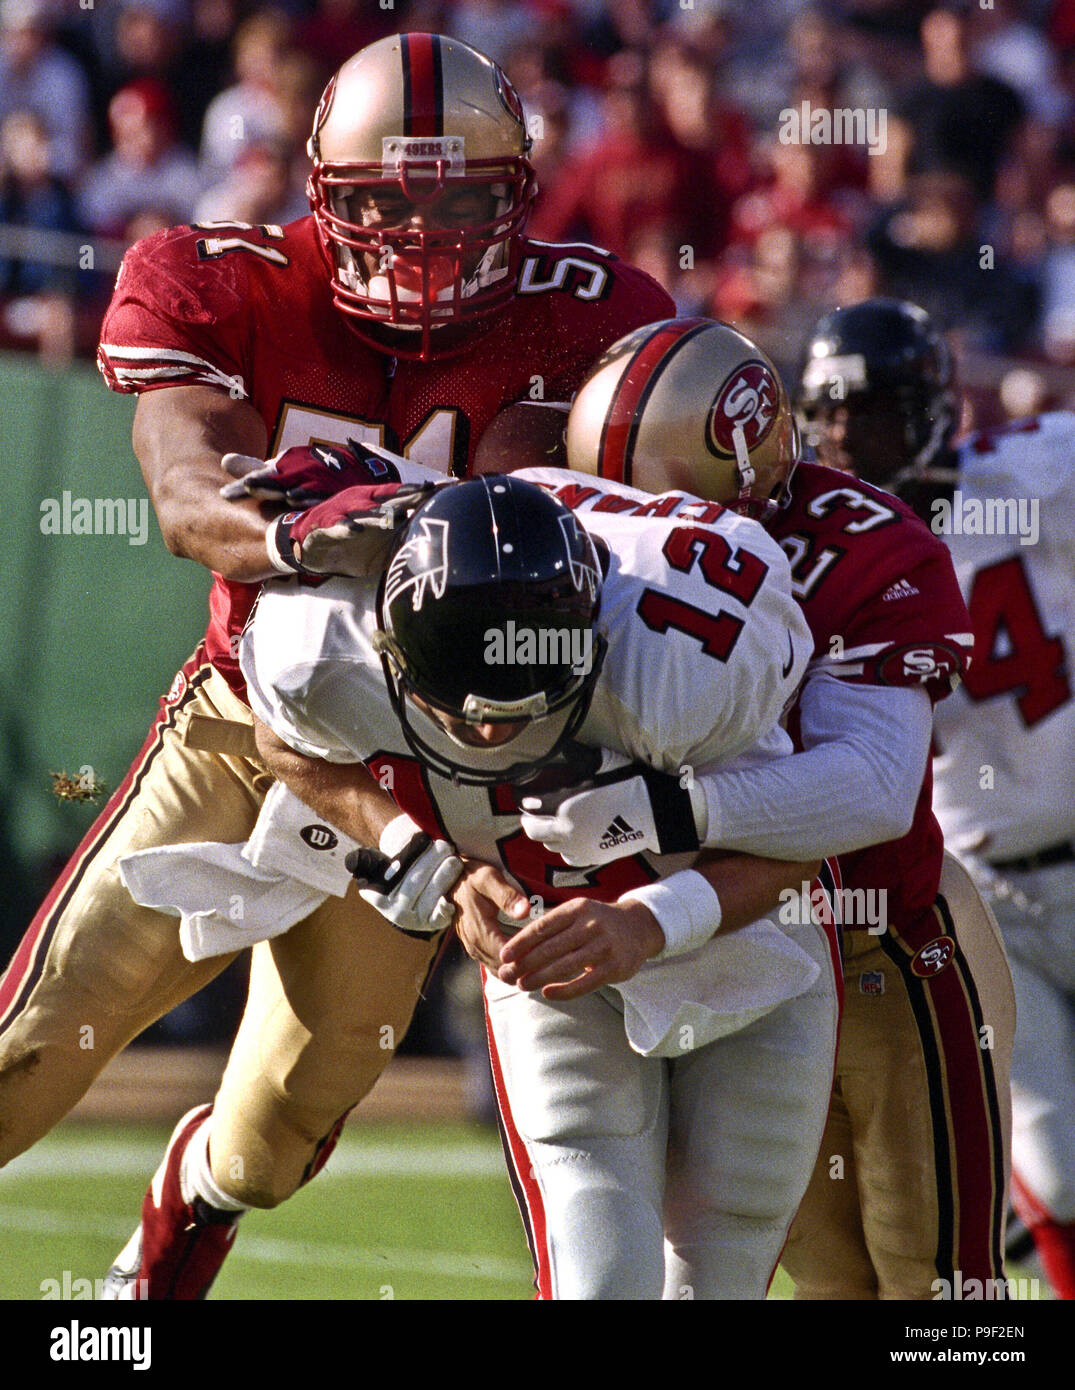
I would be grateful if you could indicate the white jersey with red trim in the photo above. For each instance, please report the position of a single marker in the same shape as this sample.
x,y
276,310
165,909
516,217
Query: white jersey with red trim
x,y
1005,770
706,647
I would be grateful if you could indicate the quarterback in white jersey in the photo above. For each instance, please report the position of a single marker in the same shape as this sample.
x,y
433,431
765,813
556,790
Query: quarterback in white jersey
x,y
688,1101
1004,770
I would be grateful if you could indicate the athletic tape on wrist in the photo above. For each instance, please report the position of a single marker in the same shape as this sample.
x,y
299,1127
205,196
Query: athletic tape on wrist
x,y
278,545
686,907
673,813
398,833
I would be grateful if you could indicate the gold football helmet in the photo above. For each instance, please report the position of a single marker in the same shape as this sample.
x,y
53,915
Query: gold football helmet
x,y
689,405
420,187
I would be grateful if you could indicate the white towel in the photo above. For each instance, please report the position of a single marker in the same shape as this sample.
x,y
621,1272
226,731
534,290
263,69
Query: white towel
x,y
673,1006
291,839
224,903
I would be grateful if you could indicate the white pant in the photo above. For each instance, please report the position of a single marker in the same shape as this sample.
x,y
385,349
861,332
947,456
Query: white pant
x,y
615,1154
1035,911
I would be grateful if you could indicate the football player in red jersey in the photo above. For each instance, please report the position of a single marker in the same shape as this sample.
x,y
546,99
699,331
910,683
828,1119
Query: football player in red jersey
x,y
878,390
408,310
911,1178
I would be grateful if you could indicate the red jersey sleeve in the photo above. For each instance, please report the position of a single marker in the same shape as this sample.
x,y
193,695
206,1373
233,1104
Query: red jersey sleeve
x,y
180,314
877,587
914,632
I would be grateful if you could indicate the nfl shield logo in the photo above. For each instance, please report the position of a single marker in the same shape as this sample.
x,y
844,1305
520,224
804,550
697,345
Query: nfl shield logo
x,y
872,982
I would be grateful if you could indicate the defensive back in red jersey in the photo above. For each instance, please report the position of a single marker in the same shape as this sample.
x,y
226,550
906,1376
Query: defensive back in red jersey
x,y
248,310
884,607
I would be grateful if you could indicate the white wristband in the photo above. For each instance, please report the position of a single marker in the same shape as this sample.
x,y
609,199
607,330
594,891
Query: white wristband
x,y
686,907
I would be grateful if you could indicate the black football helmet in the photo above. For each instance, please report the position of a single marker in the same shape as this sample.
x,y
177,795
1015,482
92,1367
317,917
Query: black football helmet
x,y
487,616
883,358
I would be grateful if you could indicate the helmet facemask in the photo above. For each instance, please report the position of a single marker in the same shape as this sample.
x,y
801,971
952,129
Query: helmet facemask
x,y
547,724
418,280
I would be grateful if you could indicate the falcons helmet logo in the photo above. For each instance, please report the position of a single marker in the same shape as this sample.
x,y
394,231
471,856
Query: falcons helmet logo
x,y
420,564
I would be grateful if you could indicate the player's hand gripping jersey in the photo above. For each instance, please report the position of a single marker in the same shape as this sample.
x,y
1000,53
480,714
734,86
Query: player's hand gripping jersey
x,y
249,310
706,646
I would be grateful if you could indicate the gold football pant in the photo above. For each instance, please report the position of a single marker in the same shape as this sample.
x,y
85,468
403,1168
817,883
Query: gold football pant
x,y
328,1000
911,1180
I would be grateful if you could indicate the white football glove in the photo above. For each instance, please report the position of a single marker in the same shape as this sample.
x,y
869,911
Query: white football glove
x,y
624,810
408,877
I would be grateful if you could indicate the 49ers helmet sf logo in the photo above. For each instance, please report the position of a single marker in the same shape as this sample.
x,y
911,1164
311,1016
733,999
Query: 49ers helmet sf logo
x,y
748,398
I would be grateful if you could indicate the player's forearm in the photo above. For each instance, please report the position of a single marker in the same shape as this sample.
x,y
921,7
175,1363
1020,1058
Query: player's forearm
x,y
857,784
180,436
720,894
344,794
750,887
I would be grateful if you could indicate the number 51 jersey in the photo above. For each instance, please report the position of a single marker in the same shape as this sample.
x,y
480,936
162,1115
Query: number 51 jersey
x,y
706,646
1005,768
248,311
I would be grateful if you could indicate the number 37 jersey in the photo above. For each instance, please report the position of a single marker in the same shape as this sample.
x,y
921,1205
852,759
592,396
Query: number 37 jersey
x,y
705,647
1005,767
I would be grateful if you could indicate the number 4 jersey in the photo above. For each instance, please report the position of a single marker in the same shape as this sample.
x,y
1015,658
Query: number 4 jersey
x,y
706,646
248,310
1005,768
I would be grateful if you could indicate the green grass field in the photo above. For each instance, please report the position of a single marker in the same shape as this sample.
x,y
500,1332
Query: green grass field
x,y
416,1211
420,1211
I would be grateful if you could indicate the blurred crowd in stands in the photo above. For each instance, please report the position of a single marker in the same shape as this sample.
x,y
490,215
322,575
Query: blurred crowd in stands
x,y
699,138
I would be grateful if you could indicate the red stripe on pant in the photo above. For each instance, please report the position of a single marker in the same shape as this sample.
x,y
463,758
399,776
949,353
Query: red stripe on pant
x,y
974,1135
22,971
964,1109
527,1192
